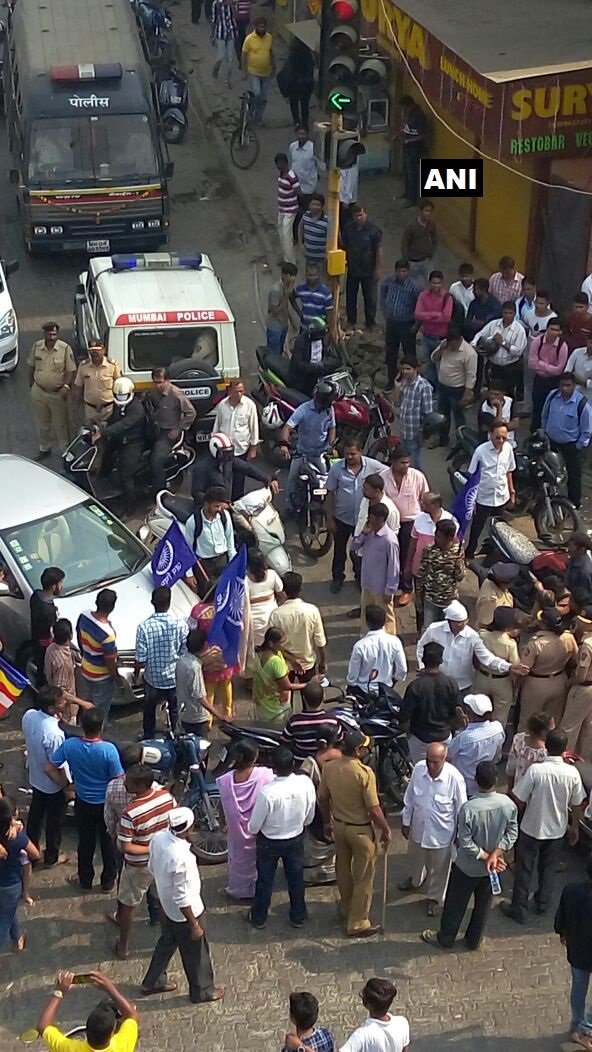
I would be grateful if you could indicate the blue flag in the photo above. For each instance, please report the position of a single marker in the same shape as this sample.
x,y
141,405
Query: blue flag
x,y
172,557
229,605
463,504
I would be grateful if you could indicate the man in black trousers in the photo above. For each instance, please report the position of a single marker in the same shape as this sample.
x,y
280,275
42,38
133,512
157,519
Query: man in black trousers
x,y
573,924
487,826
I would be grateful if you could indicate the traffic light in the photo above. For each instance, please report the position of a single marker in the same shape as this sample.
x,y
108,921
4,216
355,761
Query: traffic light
x,y
340,46
345,149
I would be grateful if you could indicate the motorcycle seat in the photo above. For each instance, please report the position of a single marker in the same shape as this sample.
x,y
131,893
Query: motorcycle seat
x,y
278,364
295,398
252,727
180,507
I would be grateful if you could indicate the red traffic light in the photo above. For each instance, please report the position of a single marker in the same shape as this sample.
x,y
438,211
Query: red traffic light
x,y
344,10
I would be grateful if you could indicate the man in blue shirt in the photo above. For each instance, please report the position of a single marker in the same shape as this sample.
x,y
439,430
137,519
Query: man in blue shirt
x,y
43,735
567,420
159,642
314,299
398,296
93,763
345,490
315,424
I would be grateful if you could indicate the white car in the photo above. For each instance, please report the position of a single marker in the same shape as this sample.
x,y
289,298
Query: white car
x,y
45,520
8,322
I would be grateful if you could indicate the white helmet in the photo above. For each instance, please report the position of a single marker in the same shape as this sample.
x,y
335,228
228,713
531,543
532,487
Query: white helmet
x,y
219,442
270,416
123,390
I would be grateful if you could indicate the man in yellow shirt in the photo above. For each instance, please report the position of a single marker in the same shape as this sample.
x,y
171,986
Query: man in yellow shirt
x,y
102,1031
258,66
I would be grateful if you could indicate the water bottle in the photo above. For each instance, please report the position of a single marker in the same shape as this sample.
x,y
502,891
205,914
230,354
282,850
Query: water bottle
x,y
494,880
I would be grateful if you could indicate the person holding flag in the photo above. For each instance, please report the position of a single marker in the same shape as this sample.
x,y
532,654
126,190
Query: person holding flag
x,y
210,534
495,490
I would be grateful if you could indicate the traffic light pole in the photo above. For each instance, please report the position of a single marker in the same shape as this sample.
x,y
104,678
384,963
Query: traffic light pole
x,y
335,258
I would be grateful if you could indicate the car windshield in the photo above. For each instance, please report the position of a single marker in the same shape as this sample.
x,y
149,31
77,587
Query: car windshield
x,y
86,542
149,348
65,150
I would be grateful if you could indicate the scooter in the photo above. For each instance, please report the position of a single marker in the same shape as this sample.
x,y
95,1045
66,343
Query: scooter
x,y
539,475
255,519
173,99
82,461
355,409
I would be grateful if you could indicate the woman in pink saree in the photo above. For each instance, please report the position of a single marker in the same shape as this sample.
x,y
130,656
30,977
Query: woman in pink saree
x,y
238,792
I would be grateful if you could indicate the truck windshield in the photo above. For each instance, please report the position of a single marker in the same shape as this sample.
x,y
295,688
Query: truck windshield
x,y
103,148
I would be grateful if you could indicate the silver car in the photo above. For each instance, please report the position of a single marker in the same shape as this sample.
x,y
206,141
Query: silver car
x,y
45,520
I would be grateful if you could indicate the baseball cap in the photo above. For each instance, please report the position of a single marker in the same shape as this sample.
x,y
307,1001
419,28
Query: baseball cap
x,y
478,703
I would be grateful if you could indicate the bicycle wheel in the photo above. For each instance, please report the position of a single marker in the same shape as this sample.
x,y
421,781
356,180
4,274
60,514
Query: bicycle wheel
x,y
244,149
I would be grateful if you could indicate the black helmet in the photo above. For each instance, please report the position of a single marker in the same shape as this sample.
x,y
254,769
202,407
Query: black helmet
x,y
325,394
538,442
316,328
434,424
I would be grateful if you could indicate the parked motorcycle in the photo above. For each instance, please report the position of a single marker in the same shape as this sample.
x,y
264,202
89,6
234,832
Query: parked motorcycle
x,y
355,409
314,536
173,100
255,520
539,475
82,461
156,23
184,758
507,544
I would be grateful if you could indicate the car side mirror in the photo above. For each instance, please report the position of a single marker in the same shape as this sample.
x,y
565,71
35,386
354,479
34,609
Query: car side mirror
x,y
143,533
169,169
13,175
4,588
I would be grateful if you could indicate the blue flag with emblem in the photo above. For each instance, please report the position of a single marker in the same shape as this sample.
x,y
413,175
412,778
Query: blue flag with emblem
x,y
229,606
463,504
172,557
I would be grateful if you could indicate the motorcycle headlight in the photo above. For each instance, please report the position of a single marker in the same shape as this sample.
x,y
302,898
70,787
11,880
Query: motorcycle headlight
x,y
8,323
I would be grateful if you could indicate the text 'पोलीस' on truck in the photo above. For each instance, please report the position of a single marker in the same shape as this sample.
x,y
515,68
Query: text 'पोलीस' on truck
x,y
91,165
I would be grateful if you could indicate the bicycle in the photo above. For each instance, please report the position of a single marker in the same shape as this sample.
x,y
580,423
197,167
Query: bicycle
x,y
244,144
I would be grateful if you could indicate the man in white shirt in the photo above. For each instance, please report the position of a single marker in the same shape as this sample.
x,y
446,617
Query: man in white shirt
x,y
462,290
580,364
378,659
545,795
496,484
373,490
503,340
178,884
307,167
381,1031
461,644
433,799
210,533
282,809
236,416
43,736
480,739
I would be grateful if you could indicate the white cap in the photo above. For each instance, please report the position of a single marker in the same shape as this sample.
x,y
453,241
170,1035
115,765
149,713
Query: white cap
x,y
455,611
180,820
478,703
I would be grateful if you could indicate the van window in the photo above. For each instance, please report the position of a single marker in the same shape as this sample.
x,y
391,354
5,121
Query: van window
x,y
151,348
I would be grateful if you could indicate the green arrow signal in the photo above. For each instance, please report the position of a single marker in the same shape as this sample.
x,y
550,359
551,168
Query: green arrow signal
x,y
339,101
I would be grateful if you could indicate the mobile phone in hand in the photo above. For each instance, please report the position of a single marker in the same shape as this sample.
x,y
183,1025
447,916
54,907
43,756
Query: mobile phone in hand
x,y
82,979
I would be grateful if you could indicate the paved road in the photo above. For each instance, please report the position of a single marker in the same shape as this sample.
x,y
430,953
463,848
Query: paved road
x,y
512,992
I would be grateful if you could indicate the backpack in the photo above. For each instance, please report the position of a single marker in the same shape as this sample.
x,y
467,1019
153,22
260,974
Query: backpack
x,y
458,316
198,520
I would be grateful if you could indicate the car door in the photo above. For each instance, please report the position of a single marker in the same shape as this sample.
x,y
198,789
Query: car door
x,y
15,621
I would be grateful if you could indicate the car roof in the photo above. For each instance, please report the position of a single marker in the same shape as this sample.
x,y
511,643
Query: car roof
x,y
169,289
31,491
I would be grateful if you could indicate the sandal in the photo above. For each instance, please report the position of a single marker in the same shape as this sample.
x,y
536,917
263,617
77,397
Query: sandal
x,y
164,988
119,952
20,944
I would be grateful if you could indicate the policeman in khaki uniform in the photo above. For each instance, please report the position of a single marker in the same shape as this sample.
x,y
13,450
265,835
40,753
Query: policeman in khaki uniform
x,y
93,385
51,371
577,718
348,798
547,654
495,592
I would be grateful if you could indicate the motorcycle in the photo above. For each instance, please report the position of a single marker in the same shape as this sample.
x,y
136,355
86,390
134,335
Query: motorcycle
x,y
355,409
155,22
539,475
255,520
314,536
506,544
173,99
184,757
82,461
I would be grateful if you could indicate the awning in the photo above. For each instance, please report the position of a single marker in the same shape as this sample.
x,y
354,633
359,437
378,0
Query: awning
x,y
308,31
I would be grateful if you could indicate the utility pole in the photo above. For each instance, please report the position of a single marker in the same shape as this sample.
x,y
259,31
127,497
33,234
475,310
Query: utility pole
x,y
335,255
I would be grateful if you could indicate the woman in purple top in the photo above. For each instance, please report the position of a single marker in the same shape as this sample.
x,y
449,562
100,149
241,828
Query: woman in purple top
x,y
13,841
239,789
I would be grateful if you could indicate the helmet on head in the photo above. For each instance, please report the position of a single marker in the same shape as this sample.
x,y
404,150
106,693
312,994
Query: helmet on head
x,y
123,390
270,416
220,443
325,394
316,328
434,424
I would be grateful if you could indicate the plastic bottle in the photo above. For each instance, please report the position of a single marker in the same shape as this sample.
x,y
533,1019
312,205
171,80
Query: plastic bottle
x,y
496,886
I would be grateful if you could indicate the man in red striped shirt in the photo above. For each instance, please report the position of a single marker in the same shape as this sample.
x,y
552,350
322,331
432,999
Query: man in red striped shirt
x,y
288,191
145,815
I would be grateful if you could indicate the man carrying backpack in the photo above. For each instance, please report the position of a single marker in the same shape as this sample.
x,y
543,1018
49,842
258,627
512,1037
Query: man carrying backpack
x,y
567,420
209,532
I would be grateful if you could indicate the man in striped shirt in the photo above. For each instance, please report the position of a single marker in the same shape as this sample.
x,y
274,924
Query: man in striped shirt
x,y
224,34
288,191
315,226
305,731
97,644
315,300
145,815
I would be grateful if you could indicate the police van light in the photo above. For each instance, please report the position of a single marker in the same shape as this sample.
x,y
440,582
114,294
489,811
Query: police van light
x,y
125,262
86,72
191,261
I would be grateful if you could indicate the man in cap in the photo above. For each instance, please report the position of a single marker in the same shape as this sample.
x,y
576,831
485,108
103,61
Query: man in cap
x,y
487,826
461,645
480,739
348,799
94,381
433,799
551,798
577,718
52,369
178,885
495,592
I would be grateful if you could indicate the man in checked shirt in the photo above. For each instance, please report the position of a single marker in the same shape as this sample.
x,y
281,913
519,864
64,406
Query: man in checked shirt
x,y
415,402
